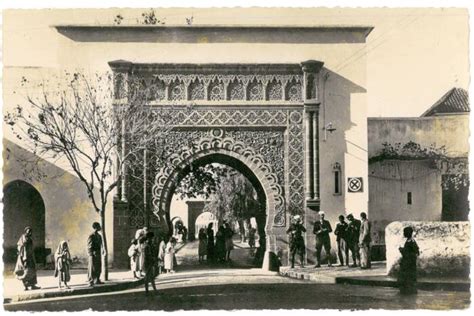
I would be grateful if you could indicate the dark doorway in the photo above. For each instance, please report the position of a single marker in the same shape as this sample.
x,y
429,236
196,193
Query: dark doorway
x,y
455,200
22,206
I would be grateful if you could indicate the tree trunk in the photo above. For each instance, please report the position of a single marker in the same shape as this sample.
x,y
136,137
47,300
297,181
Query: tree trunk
x,y
106,251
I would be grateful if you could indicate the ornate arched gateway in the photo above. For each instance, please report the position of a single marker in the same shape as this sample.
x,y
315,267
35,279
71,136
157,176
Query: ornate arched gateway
x,y
261,119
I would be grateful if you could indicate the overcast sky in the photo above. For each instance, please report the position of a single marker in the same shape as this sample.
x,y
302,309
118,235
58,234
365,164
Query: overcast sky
x,y
414,56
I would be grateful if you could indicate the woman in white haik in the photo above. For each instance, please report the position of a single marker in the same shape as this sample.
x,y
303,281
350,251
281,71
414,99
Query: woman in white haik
x,y
169,255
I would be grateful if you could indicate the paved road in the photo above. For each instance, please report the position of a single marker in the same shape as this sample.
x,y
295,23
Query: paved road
x,y
248,289
241,257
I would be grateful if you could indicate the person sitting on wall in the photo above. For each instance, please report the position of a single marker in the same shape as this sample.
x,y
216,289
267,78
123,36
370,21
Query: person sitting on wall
x,y
407,274
364,242
341,239
353,231
321,229
296,240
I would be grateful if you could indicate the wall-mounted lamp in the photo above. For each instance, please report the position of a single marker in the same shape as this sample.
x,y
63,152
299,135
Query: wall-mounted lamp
x,y
328,128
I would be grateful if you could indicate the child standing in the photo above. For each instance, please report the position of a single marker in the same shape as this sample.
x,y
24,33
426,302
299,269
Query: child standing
x,y
410,252
133,253
63,264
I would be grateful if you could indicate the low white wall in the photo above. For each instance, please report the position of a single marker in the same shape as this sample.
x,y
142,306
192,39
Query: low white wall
x,y
444,247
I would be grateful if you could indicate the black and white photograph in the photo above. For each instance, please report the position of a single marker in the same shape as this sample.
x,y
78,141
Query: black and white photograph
x,y
189,158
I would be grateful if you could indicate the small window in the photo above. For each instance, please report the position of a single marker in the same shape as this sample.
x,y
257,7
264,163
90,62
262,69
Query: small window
x,y
337,179
409,201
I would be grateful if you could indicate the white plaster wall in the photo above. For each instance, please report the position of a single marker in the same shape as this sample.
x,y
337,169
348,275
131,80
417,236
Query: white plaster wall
x,y
68,211
444,247
390,181
451,131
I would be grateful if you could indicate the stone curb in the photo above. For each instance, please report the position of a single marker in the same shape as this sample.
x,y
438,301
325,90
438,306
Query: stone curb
x,y
421,285
75,291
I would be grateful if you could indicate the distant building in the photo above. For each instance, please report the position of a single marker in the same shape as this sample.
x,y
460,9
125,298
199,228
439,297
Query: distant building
x,y
411,185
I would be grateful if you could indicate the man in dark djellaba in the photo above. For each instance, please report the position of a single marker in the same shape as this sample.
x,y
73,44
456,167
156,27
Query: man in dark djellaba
x,y
25,269
94,250
296,240
407,274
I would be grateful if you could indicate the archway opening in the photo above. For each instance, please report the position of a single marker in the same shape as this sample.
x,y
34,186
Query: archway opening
x,y
22,206
243,218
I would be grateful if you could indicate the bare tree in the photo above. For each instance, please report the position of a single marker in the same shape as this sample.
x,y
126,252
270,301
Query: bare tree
x,y
74,121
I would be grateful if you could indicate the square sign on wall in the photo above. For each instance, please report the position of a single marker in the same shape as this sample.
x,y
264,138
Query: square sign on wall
x,y
355,184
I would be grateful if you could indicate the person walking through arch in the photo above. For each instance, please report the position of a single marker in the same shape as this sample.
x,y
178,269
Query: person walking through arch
x,y
229,243
220,244
25,268
94,250
202,249
210,243
296,240
321,229
364,242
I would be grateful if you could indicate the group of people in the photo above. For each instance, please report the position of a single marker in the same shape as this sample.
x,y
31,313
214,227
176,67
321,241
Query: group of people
x,y
162,253
353,236
148,257
215,247
25,267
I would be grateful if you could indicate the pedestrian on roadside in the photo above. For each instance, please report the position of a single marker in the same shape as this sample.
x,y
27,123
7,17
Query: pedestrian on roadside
x,y
63,261
220,244
139,235
161,254
133,253
407,274
296,240
321,229
252,232
341,239
169,255
229,243
25,268
149,261
202,250
95,250
184,237
211,256
353,231
364,242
